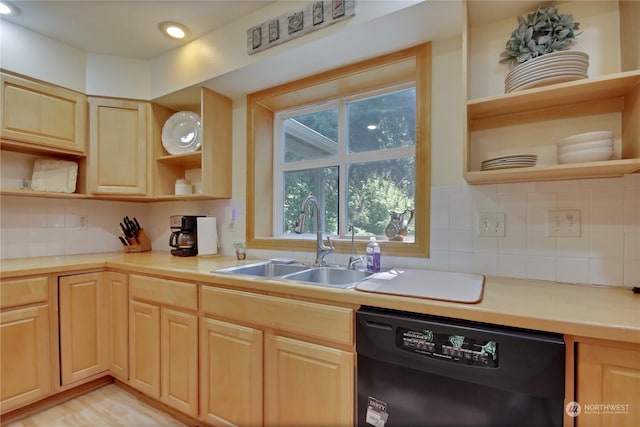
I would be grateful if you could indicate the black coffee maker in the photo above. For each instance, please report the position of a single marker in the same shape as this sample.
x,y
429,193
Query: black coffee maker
x,y
184,232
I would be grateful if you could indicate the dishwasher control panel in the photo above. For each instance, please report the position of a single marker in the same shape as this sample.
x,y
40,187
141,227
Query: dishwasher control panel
x,y
453,348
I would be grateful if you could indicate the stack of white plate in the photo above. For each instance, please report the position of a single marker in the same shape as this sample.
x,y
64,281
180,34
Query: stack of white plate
x,y
511,161
556,67
586,147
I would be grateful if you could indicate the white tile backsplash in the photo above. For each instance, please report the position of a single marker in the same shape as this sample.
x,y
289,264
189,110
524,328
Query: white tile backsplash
x,y
511,265
606,253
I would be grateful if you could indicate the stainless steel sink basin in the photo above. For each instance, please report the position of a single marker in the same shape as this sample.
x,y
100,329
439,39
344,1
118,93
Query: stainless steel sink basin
x,y
265,269
336,277
330,276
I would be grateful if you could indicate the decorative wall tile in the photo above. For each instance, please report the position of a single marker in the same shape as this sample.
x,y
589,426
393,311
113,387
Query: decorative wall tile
x,y
573,270
605,271
541,267
511,265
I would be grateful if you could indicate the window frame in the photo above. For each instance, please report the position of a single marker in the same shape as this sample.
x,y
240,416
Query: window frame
x,y
341,159
411,65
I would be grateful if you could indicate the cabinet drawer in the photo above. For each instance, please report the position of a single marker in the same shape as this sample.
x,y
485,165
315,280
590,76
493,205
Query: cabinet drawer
x,y
301,317
24,291
164,291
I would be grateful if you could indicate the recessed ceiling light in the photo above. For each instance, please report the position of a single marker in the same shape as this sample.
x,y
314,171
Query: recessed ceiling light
x,y
372,127
8,9
174,30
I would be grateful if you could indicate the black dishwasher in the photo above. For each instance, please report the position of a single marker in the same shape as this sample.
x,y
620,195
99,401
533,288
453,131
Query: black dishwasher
x,y
420,370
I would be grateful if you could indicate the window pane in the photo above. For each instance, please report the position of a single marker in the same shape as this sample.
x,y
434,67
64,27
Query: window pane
x,y
322,183
375,188
311,136
386,121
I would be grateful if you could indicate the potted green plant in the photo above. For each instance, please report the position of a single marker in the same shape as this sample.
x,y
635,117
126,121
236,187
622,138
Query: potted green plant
x,y
538,51
543,31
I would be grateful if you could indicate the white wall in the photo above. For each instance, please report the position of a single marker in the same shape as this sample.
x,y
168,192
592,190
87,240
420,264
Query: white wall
x,y
118,77
32,54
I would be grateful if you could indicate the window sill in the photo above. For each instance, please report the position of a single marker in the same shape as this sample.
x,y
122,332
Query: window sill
x,y
343,246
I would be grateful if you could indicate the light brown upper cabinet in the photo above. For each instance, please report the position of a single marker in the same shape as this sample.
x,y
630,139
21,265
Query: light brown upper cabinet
x,y
119,135
533,120
40,117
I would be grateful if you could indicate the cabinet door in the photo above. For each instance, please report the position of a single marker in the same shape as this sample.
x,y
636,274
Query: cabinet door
x,y
43,116
118,296
25,356
118,146
307,384
144,347
179,360
608,375
230,374
83,326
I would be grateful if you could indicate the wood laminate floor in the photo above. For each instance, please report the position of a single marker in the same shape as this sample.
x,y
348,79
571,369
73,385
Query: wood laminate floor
x,y
105,407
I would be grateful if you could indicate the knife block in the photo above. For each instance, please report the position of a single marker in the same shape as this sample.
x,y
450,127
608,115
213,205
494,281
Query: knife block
x,y
143,244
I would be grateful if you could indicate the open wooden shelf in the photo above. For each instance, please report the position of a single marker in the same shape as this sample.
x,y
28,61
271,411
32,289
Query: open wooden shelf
x,y
533,120
212,161
562,95
602,169
187,160
51,195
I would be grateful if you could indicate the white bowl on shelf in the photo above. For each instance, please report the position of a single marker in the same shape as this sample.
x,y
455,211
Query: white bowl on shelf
x,y
603,143
586,137
589,155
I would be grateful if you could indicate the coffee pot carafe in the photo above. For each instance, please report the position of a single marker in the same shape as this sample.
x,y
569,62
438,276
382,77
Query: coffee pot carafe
x,y
397,228
183,238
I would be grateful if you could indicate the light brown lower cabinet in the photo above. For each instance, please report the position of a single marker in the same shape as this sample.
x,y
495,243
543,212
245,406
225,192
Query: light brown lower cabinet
x,y
179,360
84,345
144,356
608,384
163,346
26,362
307,384
230,373
269,360
118,332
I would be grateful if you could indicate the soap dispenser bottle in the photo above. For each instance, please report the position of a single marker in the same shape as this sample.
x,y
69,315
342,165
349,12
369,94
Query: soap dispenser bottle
x,y
373,255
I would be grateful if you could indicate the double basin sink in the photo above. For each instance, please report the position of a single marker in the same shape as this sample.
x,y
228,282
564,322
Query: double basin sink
x,y
335,277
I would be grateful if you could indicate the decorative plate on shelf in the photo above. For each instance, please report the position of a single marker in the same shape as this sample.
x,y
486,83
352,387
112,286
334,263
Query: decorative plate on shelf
x,y
510,161
556,67
182,133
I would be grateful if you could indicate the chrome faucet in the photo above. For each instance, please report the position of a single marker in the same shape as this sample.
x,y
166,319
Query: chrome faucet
x,y
321,249
353,259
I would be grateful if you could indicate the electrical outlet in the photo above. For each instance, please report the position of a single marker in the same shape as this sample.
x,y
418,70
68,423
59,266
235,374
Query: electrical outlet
x,y
563,223
491,224
84,222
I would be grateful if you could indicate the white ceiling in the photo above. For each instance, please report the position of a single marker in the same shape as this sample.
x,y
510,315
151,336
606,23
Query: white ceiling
x,y
123,27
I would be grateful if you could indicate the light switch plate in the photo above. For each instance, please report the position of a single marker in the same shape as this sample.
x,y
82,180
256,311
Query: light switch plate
x,y
491,224
563,223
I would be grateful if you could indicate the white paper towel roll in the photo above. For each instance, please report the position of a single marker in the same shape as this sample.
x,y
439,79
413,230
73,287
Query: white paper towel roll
x,y
207,236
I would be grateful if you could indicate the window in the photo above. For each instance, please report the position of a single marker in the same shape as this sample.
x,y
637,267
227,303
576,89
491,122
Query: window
x,y
356,155
358,138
